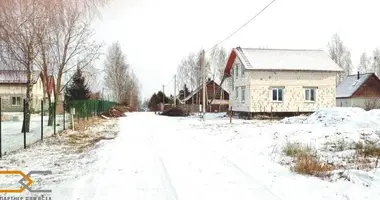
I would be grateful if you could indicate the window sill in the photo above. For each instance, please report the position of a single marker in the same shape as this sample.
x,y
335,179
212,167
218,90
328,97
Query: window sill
x,y
277,101
309,101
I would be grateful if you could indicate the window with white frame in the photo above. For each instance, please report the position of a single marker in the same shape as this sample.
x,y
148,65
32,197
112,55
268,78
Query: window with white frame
x,y
236,92
16,101
309,94
243,93
277,94
242,71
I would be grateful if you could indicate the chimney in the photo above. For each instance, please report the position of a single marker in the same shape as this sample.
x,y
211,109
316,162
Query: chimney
x,y
358,75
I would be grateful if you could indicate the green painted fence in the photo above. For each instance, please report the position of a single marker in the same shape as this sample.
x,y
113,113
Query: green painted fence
x,y
89,108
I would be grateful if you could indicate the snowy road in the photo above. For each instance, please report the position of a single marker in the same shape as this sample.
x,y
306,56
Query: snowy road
x,y
157,157
151,160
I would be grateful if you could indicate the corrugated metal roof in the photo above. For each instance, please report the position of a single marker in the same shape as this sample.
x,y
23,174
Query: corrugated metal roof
x,y
286,59
16,76
350,85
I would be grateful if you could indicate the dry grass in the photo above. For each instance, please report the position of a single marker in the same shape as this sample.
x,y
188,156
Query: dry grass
x,y
293,149
369,150
81,125
306,162
310,165
90,143
84,138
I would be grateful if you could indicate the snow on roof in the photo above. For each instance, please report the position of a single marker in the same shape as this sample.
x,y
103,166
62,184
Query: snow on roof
x,y
350,85
16,76
286,59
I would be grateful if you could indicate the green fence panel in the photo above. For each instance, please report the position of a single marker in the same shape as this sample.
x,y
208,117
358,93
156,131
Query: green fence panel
x,y
89,108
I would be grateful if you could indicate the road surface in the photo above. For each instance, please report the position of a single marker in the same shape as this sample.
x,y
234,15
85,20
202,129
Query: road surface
x,y
151,159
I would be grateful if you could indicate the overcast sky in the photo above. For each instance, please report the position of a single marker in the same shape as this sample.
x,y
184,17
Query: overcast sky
x,y
156,34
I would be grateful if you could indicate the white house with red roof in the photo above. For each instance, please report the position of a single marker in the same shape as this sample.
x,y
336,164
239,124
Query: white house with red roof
x,y
281,81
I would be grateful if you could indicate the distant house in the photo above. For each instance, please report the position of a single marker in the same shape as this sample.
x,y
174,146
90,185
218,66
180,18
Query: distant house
x,y
360,90
219,103
280,82
13,90
94,96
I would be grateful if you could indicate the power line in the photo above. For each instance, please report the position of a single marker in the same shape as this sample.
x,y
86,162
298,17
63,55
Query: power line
x,y
232,34
241,27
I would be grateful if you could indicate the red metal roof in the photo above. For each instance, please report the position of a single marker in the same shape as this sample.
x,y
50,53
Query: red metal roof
x,y
230,62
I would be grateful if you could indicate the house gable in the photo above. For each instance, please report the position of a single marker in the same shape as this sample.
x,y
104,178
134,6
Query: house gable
x,y
370,88
196,95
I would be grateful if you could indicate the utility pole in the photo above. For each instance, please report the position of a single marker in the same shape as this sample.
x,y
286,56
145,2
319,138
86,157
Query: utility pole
x,y
163,94
175,88
204,81
163,98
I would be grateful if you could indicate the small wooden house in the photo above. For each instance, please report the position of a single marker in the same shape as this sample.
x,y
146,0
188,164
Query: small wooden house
x,y
359,90
195,99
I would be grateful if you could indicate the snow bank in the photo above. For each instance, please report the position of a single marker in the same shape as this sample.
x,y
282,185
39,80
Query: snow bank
x,y
352,118
333,134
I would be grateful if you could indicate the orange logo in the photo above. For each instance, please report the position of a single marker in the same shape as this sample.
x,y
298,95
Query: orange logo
x,y
25,177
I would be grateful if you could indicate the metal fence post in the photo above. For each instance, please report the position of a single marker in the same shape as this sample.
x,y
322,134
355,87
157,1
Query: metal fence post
x,y
24,123
1,119
88,107
64,115
42,120
55,116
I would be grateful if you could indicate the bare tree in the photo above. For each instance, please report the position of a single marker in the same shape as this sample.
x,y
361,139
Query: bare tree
x,y
218,60
189,70
183,74
119,80
20,20
116,72
376,62
71,36
341,56
133,99
365,63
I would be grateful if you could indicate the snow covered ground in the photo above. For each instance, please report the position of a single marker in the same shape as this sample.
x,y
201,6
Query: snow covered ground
x,y
66,159
158,157
13,139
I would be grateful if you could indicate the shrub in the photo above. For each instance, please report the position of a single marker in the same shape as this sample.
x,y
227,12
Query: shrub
x,y
293,149
310,165
370,150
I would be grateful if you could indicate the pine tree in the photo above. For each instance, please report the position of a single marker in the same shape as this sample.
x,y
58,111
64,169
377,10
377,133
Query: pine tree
x,y
78,89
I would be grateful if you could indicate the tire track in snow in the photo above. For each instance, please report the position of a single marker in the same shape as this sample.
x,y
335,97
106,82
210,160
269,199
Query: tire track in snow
x,y
253,180
237,168
166,180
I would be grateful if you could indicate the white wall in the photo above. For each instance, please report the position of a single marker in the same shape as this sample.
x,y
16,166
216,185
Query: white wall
x,y
294,91
356,102
7,91
38,94
236,101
